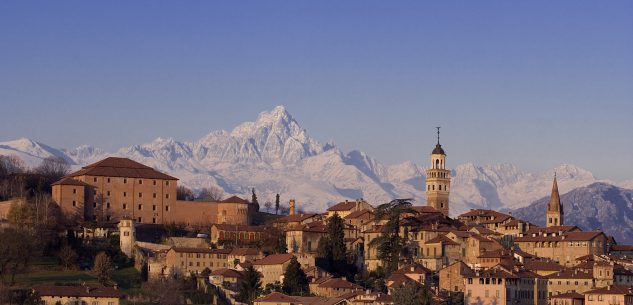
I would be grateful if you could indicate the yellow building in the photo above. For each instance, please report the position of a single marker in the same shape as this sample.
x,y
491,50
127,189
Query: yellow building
x,y
78,294
611,295
184,261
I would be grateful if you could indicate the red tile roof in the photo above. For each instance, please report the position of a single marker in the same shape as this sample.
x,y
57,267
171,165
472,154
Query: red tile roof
x,y
77,291
234,199
226,272
613,289
343,206
120,167
70,181
274,259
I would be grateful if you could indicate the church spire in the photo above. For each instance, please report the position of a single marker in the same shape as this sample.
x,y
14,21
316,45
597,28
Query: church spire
x,y
554,207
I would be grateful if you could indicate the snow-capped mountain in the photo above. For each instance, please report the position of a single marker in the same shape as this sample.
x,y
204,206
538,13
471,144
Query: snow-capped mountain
x,y
275,154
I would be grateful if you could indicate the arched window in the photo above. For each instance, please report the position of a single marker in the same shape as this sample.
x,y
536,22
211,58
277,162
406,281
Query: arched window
x,y
437,163
434,187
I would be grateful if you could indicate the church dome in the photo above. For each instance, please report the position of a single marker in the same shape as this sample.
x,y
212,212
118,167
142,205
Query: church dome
x,y
438,150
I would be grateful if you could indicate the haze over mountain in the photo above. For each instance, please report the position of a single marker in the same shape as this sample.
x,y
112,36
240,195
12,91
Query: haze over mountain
x,y
596,206
274,154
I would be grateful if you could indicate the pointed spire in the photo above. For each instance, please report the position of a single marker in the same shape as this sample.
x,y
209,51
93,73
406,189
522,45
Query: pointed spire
x,y
554,199
438,148
438,135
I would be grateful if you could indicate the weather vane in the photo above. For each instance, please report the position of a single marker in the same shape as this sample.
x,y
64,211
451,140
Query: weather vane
x,y
438,134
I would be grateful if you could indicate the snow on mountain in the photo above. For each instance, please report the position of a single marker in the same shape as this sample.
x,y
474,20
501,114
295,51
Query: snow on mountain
x,y
31,152
275,154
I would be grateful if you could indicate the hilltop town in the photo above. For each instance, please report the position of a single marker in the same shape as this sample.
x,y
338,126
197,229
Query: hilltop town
x,y
121,232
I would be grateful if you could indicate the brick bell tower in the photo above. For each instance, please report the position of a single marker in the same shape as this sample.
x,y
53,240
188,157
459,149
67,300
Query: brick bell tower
x,y
438,179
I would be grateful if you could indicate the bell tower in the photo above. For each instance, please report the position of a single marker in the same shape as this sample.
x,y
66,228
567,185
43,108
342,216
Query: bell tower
x,y
438,179
554,207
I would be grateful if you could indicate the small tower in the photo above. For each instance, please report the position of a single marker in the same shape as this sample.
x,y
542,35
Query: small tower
x,y
292,207
438,179
554,207
127,236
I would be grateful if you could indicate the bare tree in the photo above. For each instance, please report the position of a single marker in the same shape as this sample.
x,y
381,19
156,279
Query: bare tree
x,y
103,267
268,205
53,167
184,193
211,193
67,256
164,292
10,165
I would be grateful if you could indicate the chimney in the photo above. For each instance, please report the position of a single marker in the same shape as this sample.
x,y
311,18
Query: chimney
x,y
292,207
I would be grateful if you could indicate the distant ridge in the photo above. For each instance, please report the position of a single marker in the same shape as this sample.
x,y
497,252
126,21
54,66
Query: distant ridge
x,y
599,206
275,154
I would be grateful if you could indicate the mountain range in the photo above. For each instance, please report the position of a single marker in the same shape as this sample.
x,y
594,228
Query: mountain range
x,y
274,154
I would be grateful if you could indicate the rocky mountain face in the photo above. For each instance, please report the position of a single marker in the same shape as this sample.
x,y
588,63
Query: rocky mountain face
x,y
274,154
596,206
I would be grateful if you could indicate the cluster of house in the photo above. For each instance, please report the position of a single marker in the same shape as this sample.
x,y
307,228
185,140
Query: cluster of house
x,y
488,257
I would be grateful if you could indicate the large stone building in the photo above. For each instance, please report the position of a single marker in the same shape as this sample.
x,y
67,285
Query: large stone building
x,y
438,179
119,188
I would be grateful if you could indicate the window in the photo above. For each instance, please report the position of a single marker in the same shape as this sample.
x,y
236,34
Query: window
x,y
140,219
74,203
124,180
167,182
140,207
154,195
95,179
124,194
153,219
125,206
140,181
107,205
94,204
167,196
108,218
74,191
140,195
166,208
108,179
154,182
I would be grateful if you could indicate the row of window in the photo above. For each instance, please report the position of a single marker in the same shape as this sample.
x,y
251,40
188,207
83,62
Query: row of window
x,y
140,181
432,187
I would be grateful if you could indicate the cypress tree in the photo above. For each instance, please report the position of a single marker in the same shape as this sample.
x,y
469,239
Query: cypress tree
x,y
295,280
277,204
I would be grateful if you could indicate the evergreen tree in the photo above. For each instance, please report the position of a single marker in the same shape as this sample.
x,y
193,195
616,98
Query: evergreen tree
x,y
250,287
336,235
390,245
254,197
277,204
295,280
411,294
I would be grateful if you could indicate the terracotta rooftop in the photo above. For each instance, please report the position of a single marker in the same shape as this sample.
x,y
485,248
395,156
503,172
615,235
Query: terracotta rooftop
x,y
120,167
613,289
413,268
622,248
571,274
70,181
342,206
200,250
356,214
295,218
274,259
339,283
244,251
442,239
545,265
277,297
569,295
226,272
77,291
234,199
234,228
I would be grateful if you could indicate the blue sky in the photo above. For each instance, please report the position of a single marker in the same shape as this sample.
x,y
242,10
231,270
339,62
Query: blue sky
x,y
535,83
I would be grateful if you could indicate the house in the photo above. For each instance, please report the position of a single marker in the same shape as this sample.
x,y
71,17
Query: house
x,y
502,287
78,294
277,298
225,277
409,273
562,244
236,234
240,255
347,207
333,287
452,277
610,295
570,298
272,267
184,261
